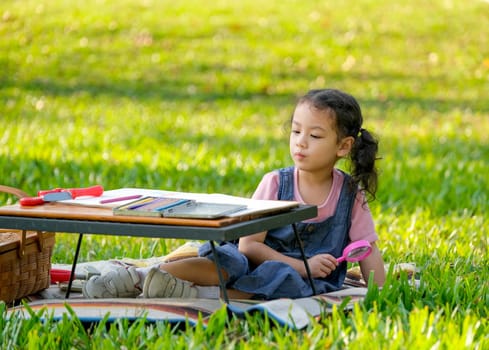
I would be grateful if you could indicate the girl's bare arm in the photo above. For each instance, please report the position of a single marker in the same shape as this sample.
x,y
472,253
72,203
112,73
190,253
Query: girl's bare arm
x,y
375,263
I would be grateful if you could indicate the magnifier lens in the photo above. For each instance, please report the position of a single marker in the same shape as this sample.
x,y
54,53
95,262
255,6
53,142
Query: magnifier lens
x,y
354,253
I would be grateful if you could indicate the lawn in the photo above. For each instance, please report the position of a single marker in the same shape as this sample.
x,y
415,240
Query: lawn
x,y
193,96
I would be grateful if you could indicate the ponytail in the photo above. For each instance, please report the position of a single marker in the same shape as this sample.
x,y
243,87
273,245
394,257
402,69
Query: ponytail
x,y
363,156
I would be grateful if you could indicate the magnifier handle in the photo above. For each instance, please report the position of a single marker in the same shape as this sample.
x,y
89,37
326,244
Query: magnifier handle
x,y
341,259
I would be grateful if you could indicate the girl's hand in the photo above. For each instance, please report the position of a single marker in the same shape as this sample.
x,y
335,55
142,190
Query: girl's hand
x,y
321,265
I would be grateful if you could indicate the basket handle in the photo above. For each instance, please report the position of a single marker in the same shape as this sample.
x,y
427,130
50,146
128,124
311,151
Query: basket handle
x,y
40,242
22,238
23,234
14,191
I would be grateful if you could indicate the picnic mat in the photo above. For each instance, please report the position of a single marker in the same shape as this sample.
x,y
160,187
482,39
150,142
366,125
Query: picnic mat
x,y
295,313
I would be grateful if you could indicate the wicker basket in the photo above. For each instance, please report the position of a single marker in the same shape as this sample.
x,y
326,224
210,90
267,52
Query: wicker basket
x,y
25,259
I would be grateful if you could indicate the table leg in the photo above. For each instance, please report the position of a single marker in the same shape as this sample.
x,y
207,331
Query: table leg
x,y
219,273
73,266
304,258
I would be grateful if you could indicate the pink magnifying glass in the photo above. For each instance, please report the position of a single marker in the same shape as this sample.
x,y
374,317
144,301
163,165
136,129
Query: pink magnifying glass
x,y
356,251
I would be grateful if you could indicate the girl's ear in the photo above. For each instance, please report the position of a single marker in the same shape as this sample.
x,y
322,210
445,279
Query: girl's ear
x,y
345,146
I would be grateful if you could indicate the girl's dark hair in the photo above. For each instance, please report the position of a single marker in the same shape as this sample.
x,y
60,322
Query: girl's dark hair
x,y
348,117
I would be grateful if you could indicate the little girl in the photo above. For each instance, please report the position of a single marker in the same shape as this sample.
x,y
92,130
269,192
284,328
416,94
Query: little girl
x,y
326,126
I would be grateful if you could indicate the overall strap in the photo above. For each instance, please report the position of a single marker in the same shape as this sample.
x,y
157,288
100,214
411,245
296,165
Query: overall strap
x,y
286,184
346,201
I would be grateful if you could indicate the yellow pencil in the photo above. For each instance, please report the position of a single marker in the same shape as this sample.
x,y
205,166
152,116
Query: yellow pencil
x,y
137,203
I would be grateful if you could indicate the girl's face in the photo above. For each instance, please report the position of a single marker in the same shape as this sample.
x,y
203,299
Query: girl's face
x,y
314,143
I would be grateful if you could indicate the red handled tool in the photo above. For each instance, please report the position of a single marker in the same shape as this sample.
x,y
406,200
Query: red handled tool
x,y
59,194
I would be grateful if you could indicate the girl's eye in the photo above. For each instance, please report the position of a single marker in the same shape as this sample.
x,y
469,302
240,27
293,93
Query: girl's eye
x,y
315,136
296,132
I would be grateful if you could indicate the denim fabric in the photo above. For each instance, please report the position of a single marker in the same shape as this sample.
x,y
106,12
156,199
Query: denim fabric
x,y
231,260
274,279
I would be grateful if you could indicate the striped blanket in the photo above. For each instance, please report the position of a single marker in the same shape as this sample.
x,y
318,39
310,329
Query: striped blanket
x,y
295,313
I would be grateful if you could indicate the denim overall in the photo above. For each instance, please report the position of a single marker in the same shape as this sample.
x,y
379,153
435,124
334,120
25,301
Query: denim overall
x,y
275,279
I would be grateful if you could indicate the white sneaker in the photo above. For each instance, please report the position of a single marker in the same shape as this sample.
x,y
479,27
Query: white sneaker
x,y
161,284
119,283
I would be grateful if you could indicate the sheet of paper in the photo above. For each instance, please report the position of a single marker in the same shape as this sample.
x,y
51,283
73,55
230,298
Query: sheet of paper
x,y
253,206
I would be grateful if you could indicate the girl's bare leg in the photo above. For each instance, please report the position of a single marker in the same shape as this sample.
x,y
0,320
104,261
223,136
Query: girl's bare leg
x,y
202,272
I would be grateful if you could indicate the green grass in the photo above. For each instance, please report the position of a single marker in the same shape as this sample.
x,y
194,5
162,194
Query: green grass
x,y
194,97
